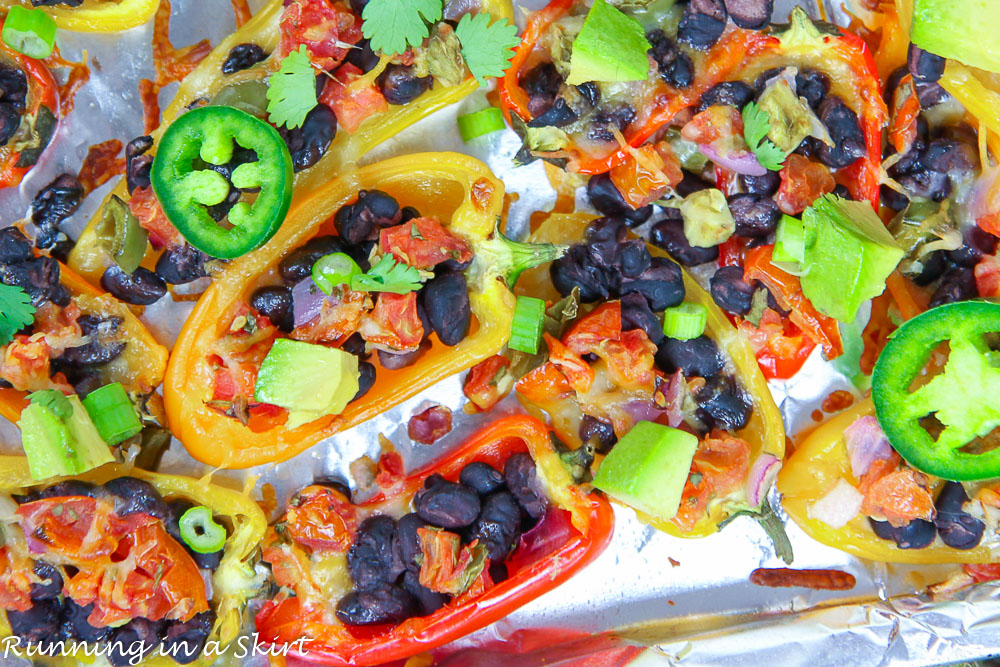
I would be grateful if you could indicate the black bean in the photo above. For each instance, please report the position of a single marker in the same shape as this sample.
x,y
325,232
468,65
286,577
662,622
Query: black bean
x,y
355,345
957,284
275,303
755,215
750,14
605,197
243,56
724,403
374,210
55,3
142,287
427,601
576,269
590,93
957,528
690,183
184,642
730,292
934,265
175,510
892,199
812,85
366,379
138,163
13,87
669,235
408,213
54,203
620,117
633,259
482,477
930,94
697,357
74,623
406,541
730,93
675,66
38,277
520,475
86,382
104,346
400,84
362,56
845,131
604,238
558,115
924,66
360,253
948,156
136,496
385,604
636,314
309,143
68,489
10,121
371,560
50,586
702,23
597,432
767,184
498,572
499,525
39,624
662,284
446,301
394,361
917,534
358,6
298,264
541,83
448,505
181,265
892,82
14,246
927,184
132,642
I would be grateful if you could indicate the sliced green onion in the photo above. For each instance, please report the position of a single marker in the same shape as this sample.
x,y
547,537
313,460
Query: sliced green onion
x,y
479,123
112,413
29,31
332,270
685,321
789,241
526,327
200,531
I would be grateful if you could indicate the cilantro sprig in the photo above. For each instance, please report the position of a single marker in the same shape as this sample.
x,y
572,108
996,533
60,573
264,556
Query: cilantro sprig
x,y
487,47
54,400
291,91
756,125
388,275
16,312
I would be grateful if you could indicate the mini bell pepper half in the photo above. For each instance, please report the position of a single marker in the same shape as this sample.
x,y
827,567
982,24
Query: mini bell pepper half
x,y
455,189
234,580
274,30
585,527
96,15
40,113
764,431
820,463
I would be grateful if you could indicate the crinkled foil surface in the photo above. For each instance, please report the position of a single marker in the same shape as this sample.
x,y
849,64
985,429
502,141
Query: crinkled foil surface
x,y
689,601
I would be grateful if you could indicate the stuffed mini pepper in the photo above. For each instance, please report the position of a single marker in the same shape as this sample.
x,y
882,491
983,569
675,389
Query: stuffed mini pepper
x,y
435,555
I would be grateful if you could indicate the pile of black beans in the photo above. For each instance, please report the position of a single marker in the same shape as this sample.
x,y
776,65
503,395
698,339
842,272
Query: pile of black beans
x,y
442,303
483,505
54,617
957,528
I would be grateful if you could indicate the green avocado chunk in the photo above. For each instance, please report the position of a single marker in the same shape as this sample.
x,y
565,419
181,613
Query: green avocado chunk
x,y
610,47
311,381
648,467
965,30
58,436
848,256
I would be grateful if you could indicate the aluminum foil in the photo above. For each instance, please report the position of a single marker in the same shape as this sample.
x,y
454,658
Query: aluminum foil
x,y
689,601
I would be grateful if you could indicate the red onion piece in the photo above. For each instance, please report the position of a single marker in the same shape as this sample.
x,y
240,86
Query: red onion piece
x,y
456,9
429,426
644,411
742,163
866,443
762,474
307,301
553,531
674,396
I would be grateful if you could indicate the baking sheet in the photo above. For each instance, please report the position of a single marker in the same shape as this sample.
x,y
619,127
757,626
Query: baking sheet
x,y
689,600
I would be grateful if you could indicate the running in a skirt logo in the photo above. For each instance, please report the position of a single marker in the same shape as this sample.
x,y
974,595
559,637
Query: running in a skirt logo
x,y
136,652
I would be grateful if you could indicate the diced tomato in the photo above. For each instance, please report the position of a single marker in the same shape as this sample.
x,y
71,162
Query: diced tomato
x,y
488,382
900,496
394,324
630,358
982,572
288,620
602,323
76,527
15,581
339,317
802,182
714,123
26,364
423,243
323,27
905,109
779,346
150,215
289,563
988,276
577,372
544,383
720,465
321,518
352,101
647,174
447,567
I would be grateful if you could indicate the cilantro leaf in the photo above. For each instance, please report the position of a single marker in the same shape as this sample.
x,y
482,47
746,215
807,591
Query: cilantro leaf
x,y
388,275
291,91
54,401
487,47
756,125
16,312
392,25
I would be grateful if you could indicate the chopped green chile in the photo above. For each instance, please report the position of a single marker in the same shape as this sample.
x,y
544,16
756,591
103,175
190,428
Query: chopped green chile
x,y
201,532
248,96
121,234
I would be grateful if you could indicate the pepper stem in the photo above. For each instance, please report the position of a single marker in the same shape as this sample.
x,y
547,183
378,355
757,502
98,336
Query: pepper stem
x,y
510,257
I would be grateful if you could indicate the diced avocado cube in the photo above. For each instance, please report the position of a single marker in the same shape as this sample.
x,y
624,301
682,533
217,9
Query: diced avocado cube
x,y
965,30
309,380
648,468
610,47
61,445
